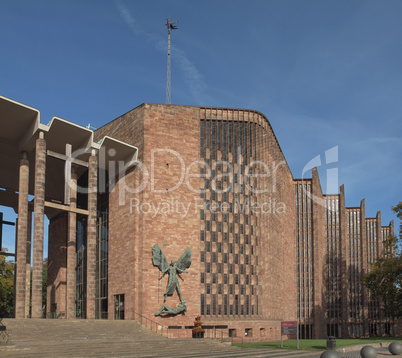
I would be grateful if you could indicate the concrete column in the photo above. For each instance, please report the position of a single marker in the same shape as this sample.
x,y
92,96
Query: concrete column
x,y
71,250
91,237
39,212
28,266
343,228
22,229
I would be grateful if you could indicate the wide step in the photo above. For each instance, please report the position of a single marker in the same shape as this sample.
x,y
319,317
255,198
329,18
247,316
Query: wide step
x,y
102,338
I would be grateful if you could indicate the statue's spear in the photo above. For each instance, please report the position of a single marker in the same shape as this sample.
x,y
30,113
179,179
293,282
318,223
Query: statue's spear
x,y
163,246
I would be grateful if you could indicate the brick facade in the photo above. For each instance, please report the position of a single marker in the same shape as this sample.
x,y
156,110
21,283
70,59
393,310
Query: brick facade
x,y
253,264
134,231
168,139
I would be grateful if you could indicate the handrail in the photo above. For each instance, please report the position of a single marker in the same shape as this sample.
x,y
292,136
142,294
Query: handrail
x,y
208,333
239,340
4,332
216,333
152,321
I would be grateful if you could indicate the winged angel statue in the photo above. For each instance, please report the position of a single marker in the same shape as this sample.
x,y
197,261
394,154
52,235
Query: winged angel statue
x,y
184,262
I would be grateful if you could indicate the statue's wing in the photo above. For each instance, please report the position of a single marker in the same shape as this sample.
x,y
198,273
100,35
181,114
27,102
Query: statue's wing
x,y
184,261
158,258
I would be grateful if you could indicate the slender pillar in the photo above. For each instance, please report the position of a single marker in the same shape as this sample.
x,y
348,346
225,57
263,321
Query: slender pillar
x,y
71,249
365,266
392,233
344,264
91,237
28,266
380,246
22,229
319,252
39,211
380,253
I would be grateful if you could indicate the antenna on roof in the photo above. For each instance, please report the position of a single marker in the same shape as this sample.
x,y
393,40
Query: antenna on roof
x,y
170,26
90,127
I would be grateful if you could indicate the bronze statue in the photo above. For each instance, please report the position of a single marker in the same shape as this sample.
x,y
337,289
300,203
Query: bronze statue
x,y
181,307
184,262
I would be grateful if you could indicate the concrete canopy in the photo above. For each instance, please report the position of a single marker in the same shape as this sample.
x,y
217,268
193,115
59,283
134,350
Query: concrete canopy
x,y
20,127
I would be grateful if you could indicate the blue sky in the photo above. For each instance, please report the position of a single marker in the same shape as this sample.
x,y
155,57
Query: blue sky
x,y
325,73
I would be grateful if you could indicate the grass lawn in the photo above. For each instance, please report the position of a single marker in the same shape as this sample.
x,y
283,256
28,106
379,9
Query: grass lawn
x,y
315,344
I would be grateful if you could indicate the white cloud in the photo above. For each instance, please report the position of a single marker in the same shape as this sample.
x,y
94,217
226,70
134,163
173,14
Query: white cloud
x,y
192,76
125,14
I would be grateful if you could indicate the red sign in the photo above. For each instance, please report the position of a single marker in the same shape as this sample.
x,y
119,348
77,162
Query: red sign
x,y
288,328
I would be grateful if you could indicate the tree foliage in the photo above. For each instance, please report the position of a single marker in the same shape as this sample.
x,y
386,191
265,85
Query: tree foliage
x,y
6,287
398,211
385,277
7,271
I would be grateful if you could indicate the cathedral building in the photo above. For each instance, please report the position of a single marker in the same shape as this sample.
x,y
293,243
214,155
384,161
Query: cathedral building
x,y
169,212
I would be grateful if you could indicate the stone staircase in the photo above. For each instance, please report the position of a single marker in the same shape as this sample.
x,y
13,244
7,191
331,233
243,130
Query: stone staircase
x,y
101,338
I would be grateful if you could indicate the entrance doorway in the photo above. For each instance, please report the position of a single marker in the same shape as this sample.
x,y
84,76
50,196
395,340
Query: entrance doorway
x,y
119,307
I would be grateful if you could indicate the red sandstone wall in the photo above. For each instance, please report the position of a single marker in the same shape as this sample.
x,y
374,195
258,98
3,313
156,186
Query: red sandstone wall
x,y
125,230
133,231
175,128
279,252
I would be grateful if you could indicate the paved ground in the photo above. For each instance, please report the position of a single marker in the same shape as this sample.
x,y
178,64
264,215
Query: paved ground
x,y
381,352
85,338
